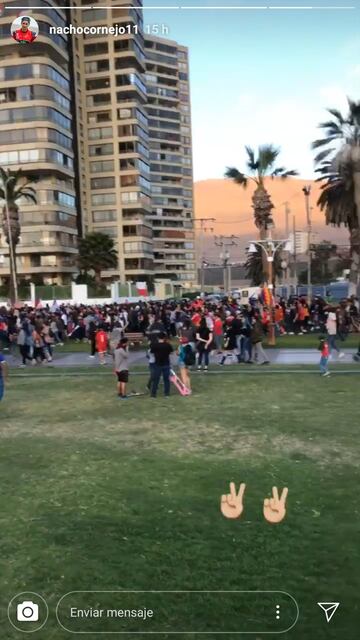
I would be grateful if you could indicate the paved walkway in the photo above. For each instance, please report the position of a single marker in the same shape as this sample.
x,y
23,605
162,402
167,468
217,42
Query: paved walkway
x,y
276,356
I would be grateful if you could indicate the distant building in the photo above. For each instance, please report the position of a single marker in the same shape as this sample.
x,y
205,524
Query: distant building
x,y
36,135
102,125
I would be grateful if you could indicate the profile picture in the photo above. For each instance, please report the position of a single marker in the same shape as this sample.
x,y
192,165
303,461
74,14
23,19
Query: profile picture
x,y
24,29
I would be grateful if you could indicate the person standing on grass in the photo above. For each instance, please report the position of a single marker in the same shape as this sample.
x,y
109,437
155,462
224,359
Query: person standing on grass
x,y
186,358
204,339
161,351
92,338
332,330
324,360
230,342
121,362
218,331
257,335
101,342
22,341
3,375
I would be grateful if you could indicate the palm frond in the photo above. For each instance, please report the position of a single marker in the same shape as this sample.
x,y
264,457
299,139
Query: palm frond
x,y
251,154
323,154
236,175
267,155
338,115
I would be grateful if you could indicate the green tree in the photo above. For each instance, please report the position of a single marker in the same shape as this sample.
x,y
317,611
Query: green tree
x,y
97,253
13,186
254,267
338,165
326,264
260,167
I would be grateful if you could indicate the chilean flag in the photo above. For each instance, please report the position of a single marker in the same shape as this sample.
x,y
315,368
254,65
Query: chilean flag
x,y
142,289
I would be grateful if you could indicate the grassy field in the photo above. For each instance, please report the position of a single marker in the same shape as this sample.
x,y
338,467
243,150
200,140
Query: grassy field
x,y
306,341
102,494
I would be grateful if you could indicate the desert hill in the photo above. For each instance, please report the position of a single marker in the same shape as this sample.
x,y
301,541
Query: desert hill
x,y
230,204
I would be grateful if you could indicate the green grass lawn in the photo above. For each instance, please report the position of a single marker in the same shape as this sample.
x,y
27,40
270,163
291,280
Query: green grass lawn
x,y
101,494
306,341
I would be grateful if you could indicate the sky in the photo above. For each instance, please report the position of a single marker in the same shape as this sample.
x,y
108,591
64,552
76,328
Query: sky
x,y
263,76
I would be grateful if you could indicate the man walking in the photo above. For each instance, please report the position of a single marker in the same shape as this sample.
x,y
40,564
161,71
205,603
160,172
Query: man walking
x,y
161,351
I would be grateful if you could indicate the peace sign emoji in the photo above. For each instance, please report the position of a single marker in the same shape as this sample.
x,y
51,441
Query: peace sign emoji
x,y
275,507
232,504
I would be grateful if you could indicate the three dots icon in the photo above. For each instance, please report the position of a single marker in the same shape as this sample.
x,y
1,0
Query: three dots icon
x,y
277,612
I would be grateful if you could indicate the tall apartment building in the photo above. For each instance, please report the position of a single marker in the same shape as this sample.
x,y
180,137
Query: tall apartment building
x,y
36,135
114,151
110,113
169,113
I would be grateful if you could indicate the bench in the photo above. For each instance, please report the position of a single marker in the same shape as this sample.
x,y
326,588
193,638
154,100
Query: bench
x,y
135,337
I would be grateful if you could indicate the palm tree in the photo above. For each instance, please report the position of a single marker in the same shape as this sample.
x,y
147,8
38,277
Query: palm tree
x,y
13,187
338,164
259,168
96,253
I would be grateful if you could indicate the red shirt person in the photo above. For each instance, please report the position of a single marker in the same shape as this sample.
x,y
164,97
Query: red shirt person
x,y
24,34
101,341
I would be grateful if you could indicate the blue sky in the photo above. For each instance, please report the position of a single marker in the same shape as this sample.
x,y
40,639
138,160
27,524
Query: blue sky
x,y
263,76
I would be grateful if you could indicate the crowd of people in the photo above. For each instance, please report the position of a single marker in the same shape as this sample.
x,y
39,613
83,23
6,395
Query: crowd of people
x,y
226,327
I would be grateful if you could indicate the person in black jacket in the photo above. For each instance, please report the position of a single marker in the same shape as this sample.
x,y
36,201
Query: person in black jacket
x,y
230,342
204,339
161,351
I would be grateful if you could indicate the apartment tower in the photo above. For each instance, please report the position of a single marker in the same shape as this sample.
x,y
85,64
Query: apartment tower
x,y
169,113
36,135
109,141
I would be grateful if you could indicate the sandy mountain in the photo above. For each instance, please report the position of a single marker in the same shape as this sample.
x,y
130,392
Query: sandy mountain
x,y
230,204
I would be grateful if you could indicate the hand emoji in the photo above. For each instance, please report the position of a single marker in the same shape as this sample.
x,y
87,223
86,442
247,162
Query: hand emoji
x,y
232,504
274,508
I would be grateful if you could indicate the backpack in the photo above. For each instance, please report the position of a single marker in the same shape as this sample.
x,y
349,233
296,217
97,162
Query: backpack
x,y
189,355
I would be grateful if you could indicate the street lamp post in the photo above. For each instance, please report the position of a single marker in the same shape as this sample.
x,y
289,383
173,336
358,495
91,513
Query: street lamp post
x,y
225,257
307,191
270,247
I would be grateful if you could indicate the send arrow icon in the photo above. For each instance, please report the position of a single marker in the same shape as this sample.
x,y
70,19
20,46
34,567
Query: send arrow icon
x,y
329,608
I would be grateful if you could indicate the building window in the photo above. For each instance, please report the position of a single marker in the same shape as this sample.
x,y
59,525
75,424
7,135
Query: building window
x,y
98,99
95,48
102,183
101,150
94,15
129,196
99,116
138,247
100,133
102,166
97,83
124,114
104,198
96,66
129,181
108,231
108,215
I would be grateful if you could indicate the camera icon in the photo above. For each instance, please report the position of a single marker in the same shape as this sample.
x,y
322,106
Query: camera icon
x,y
27,611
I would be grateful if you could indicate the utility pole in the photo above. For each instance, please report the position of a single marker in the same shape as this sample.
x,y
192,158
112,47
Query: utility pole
x,y
287,231
294,254
307,191
287,215
270,247
224,242
201,261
